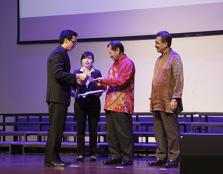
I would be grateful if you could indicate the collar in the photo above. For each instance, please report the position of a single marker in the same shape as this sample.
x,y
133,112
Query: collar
x,y
62,48
82,69
166,52
120,58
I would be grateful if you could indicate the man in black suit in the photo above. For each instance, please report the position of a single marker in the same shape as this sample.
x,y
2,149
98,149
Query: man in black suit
x,y
59,83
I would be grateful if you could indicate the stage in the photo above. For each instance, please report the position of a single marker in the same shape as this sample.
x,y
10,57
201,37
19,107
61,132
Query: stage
x,y
33,164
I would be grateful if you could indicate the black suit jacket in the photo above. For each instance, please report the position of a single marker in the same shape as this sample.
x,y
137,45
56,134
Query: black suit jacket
x,y
59,78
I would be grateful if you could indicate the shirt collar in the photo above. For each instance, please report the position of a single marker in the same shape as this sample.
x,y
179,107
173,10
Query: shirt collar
x,y
82,69
62,49
167,52
119,59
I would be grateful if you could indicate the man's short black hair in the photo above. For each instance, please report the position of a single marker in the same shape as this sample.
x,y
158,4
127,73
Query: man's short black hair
x,y
67,34
165,37
115,44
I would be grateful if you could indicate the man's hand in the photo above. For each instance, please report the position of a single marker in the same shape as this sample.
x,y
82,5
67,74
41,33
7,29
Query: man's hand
x,y
83,77
100,83
79,82
173,104
98,80
73,93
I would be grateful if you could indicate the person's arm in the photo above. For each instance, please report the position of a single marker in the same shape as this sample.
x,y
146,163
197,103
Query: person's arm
x,y
179,81
178,78
57,63
98,85
57,67
127,71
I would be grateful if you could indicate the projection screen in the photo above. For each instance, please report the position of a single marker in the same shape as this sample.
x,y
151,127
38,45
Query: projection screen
x,y
42,20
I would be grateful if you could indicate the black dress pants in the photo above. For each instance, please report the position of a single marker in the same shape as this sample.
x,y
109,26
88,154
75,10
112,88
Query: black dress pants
x,y
167,135
84,112
119,134
57,117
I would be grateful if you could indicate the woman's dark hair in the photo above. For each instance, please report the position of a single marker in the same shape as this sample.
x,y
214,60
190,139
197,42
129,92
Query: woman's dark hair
x,y
115,44
66,34
87,54
165,37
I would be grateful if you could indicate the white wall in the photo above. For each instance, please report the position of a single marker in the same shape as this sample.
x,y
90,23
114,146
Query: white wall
x,y
23,68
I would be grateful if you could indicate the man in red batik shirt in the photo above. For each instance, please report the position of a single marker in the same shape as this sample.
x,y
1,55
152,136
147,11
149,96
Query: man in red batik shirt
x,y
119,104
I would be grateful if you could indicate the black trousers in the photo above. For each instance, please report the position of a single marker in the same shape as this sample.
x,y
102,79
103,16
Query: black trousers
x,y
85,112
57,117
119,134
167,135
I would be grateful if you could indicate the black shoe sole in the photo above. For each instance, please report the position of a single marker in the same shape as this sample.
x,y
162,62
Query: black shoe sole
x,y
126,164
51,165
111,163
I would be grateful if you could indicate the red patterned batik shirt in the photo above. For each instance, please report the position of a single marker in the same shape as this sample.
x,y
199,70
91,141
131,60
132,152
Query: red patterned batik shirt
x,y
120,82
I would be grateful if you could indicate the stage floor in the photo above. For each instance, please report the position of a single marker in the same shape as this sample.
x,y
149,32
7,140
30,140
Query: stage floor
x,y
33,164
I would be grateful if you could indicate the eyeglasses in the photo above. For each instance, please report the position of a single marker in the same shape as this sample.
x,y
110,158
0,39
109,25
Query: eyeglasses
x,y
74,41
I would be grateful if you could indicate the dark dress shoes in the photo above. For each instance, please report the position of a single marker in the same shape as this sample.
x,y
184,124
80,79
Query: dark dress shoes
x,y
55,164
113,161
171,164
127,162
80,158
93,158
157,162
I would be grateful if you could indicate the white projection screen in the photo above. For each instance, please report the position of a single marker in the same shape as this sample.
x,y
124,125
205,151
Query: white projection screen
x,y
42,20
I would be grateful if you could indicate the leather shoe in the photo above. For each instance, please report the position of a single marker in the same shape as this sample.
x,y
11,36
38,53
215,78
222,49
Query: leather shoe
x,y
171,164
158,162
80,158
93,158
113,161
55,164
127,162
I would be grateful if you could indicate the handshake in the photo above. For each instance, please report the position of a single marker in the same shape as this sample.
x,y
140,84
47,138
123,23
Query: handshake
x,y
83,78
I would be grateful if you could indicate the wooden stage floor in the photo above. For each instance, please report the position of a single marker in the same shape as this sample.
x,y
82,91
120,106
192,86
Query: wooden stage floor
x,y
33,164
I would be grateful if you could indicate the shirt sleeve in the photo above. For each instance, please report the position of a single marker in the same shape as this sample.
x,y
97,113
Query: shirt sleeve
x,y
126,73
178,78
58,69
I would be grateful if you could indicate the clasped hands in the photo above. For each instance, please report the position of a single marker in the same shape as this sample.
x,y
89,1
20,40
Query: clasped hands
x,y
81,78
